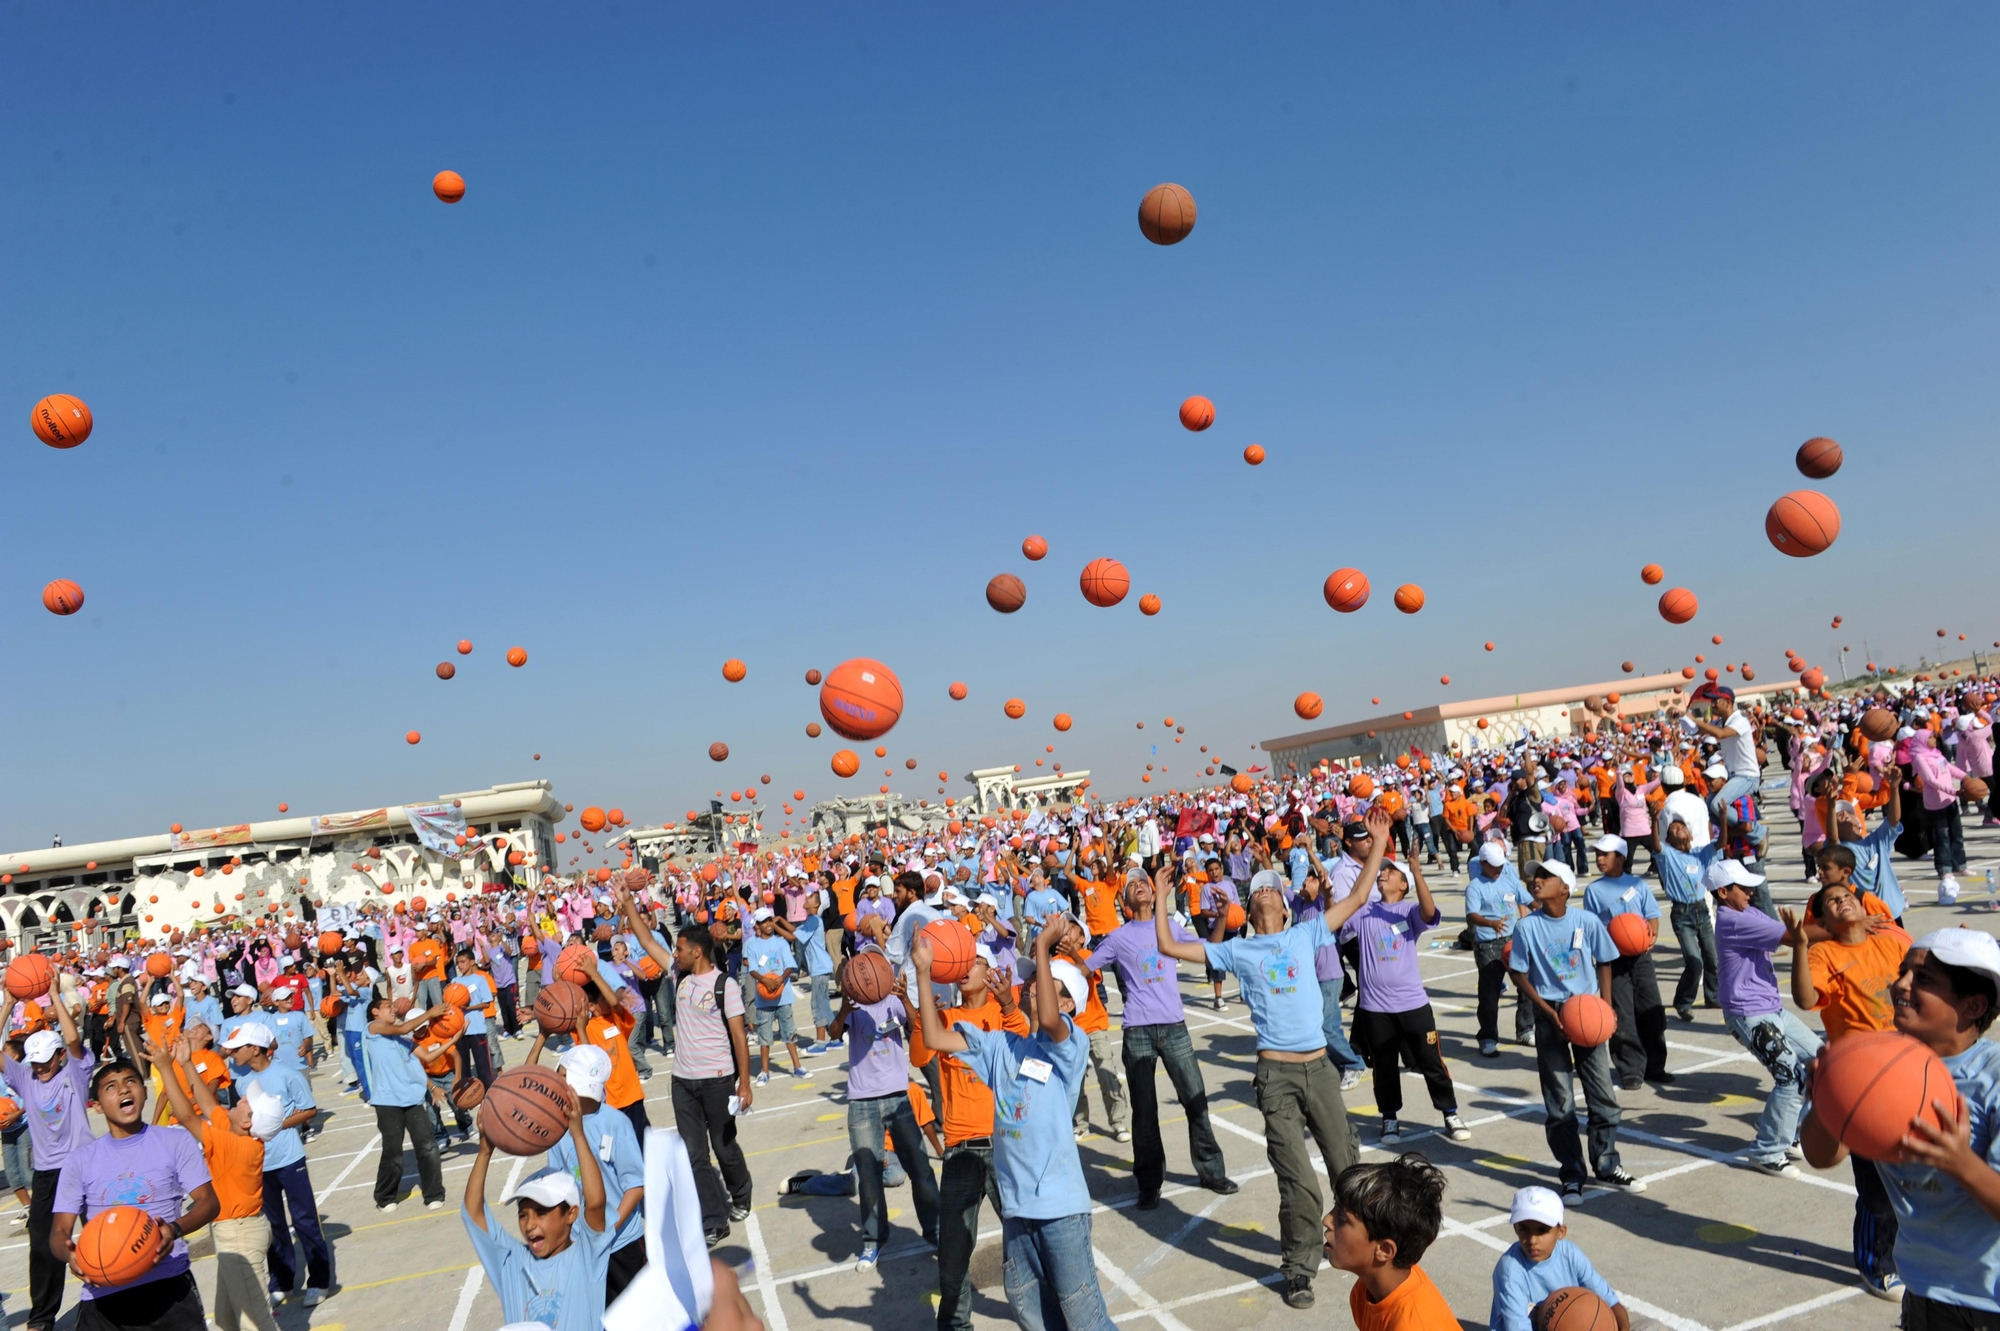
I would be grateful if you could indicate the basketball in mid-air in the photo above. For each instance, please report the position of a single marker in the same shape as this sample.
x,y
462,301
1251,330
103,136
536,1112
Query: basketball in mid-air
x,y
1166,214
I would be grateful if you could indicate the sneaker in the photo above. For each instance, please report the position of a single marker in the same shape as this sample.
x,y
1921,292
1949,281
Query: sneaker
x,y
1527,1041
1391,1131
20,1217
1663,1077
761,1079
813,1050
645,1074
1630,1083
1350,1079
434,1206
316,1296
1889,1288
1779,1168
712,1237
801,1074
388,1206
1122,1136
1489,1048
738,1211
870,1254
1081,1133
1622,1180
1795,1151
784,1187
1572,1194
1298,1292
1217,1002
1455,1128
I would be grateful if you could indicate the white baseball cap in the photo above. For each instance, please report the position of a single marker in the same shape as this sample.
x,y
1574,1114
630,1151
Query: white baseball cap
x,y
251,1032
1724,873
245,991
1070,978
1973,949
42,1046
1557,869
761,913
1538,1204
1616,845
267,1113
547,1187
1493,853
586,1068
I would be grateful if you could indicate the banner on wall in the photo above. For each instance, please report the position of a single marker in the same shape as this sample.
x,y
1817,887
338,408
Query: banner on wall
x,y
438,826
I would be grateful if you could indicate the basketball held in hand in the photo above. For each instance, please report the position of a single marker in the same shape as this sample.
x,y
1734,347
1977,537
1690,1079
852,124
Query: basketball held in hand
x,y
951,951
1572,1308
118,1246
526,1110
1587,1021
867,978
559,1006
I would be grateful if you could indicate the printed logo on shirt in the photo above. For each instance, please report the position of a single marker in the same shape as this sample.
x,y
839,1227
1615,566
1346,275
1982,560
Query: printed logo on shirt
x,y
1009,1113
128,1190
1156,970
1281,973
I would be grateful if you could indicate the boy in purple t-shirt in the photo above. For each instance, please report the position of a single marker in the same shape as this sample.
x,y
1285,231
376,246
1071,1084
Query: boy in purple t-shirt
x,y
1745,938
1393,1018
54,1089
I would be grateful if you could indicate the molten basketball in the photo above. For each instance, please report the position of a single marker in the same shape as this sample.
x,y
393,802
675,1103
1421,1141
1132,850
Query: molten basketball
x,y
457,995
861,699
29,975
159,965
951,951
846,762
1631,933
1015,709
1819,458
517,656
1149,604
1678,605
118,1246
1572,1308
1871,1084
1034,547
448,185
1308,706
1587,1021
62,597
469,1094
61,421
1166,214
1197,413
1105,582
717,752
1006,593
867,978
526,1110
734,670
957,692
1254,455
1802,523
1652,574
559,1006
574,963
1409,598
592,819
1346,590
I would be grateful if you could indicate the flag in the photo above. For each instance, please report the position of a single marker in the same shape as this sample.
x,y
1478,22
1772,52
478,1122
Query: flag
x,y
675,1287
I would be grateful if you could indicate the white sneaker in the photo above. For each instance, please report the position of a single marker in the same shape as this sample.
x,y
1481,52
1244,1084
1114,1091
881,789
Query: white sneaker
x,y
1122,1136
1947,890
1454,1126
316,1296
434,1206
389,1207
1350,1079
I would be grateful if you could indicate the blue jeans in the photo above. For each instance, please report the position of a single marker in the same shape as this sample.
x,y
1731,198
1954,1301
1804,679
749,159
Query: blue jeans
x,y
866,1120
1784,1045
1735,788
350,1040
1050,1276
1337,1048
293,1185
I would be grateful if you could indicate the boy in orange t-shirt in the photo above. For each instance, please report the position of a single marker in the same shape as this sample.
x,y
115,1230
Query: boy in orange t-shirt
x,y
609,1027
1384,1218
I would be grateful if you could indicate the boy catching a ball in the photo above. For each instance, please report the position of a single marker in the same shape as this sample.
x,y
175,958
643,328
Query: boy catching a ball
x,y
1384,1218
554,1273
1542,1261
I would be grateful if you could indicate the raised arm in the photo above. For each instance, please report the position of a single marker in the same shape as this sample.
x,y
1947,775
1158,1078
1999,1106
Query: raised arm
x,y
1425,901
1048,1007
936,1035
1340,912
1162,928
1804,994
629,907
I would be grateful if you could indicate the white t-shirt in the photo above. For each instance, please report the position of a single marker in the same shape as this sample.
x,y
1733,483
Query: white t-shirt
x,y
1739,751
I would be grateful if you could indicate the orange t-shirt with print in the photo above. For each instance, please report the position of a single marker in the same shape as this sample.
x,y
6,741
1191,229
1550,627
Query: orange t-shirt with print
x,y
427,959
1853,980
968,1102
1093,1018
1100,909
610,1034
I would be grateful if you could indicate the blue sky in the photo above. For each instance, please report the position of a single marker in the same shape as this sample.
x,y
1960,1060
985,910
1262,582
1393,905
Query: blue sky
x,y
770,334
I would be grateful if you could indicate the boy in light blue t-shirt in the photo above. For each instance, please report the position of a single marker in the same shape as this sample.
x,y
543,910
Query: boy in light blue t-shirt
x,y
1542,1261
554,1273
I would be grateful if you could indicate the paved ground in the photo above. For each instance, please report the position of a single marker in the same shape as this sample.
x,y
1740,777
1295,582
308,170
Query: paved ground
x,y
1710,1245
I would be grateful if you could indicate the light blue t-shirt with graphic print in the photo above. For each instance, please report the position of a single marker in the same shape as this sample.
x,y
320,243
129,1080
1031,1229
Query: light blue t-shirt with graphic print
x,y
1276,975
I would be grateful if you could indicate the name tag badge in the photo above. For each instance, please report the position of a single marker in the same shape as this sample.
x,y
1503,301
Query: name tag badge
x,y
1036,1069
1576,940
1629,893
1399,928
604,1148
1507,897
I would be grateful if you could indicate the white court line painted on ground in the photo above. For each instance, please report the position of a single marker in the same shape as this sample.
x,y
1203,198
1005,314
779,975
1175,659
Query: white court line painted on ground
x,y
462,1313
1132,1290
774,1312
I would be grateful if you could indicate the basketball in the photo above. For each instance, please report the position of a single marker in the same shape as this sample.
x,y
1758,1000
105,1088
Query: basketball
x,y
770,990
10,1113
1233,917
465,646
446,670
448,185
1346,590
1871,1084
861,699
1197,413
1308,706
1015,709
1572,1308
29,975
1062,722
957,693
1818,458
61,421
457,995
414,737
1254,455
1878,723
62,597
1166,214
867,978
1409,598
1006,593
401,1007
1973,788
1802,523
1362,786
1678,605
1652,574
1105,582
331,1007
592,819
1240,783
526,1110
159,965
1631,933
1813,678
469,1094
846,762
117,1246
574,963
734,670
951,951
1149,604
559,1006
1034,547
1587,1021
717,752
517,656
812,676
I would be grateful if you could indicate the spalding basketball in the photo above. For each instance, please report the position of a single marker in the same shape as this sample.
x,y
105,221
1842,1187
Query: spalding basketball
x,y
62,597
1819,458
1802,523
1652,574
951,951
1572,1308
574,963
1631,933
1587,1021
559,1006
1678,605
469,1094
61,421
1308,706
1871,1084
1105,582
846,762
1197,413
526,1110
448,186
1346,590
1409,598
1006,593
1034,547
1166,214
1878,723
861,699
29,975
117,1246
867,978
1149,604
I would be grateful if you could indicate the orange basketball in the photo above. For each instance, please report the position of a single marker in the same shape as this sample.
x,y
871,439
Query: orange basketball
x,y
1813,678
1974,789
29,975
1652,574
1240,783
1409,598
465,646
846,762
526,1110
1572,1308
469,1094
1254,455
559,1006
62,597
1802,523
1166,214
1631,933
1015,709
1361,786
1864,784
446,670
592,819
331,1007
457,995
159,965
117,1246
1034,547
414,737
1149,604
1308,706
10,1113
1346,590
861,699
951,951
867,978
957,692
1678,605
448,185
1006,593
734,670
1818,458
717,752
61,421
574,963
1233,917
1587,1021
1105,582
1872,1084
517,656
330,943
1626,667
1062,722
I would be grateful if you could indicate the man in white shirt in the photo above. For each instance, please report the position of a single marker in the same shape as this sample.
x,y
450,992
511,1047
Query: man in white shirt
x,y
1740,753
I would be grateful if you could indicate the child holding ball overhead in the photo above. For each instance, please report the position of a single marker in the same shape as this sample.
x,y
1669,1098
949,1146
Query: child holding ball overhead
x,y
554,1273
